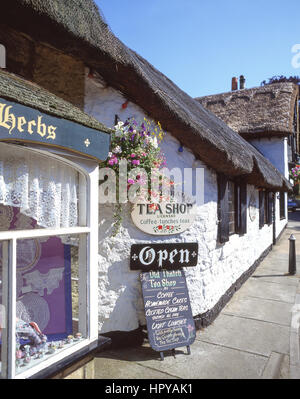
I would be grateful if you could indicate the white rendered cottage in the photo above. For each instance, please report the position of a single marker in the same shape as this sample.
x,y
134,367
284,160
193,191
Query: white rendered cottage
x,y
88,66
222,265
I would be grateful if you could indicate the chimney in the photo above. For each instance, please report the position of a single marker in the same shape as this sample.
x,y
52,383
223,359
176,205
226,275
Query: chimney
x,y
234,84
242,82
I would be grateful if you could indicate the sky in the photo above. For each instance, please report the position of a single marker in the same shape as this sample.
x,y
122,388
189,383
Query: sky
x,y
201,44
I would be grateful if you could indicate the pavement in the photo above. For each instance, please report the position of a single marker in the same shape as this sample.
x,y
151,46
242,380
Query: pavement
x,y
255,336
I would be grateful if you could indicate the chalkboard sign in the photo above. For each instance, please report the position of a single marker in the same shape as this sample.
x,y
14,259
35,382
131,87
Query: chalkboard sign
x,y
169,256
168,311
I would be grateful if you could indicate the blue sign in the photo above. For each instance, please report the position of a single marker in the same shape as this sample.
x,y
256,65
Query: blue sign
x,y
24,124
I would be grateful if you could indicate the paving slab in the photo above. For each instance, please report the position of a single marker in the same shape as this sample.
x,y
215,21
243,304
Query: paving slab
x,y
294,372
268,290
274,276
106,368
280,266
284,373
206,361
260,309
249,335
210,361
274,366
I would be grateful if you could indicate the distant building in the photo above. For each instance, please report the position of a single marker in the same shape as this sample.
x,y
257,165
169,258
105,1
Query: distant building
x,y
265,116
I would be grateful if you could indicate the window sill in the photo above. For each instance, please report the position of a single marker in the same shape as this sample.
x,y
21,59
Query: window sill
x,y
57,366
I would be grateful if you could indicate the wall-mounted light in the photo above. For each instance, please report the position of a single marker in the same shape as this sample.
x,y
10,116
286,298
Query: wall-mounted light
x,y
124,105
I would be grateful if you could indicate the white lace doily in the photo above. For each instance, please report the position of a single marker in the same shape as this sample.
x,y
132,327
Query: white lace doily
x,y
31,307
44,189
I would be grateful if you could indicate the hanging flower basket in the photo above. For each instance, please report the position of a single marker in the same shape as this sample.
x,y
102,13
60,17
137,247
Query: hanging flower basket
x,y
295,174
138,144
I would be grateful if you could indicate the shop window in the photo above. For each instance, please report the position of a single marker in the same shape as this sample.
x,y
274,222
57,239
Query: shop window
x,y
46,276
232,208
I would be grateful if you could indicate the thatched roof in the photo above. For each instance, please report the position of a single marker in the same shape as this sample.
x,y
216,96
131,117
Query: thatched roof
x,y
77,28
257,112
19,90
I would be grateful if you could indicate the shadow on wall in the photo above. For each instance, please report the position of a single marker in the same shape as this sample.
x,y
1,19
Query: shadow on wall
x,y
124,309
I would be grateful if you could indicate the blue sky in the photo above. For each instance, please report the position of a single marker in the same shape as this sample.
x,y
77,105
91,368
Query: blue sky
x,y
201,44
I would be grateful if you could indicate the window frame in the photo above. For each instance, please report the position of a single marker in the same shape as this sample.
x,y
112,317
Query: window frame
x,y
240,208
234,213
88,215
282,205
266,203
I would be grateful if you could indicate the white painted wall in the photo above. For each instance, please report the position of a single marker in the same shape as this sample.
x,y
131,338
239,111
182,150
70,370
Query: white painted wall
x,y
120,298
275,149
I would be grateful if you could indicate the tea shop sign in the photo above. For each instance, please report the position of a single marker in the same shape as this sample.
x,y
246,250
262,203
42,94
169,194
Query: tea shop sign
x,y
164,218
23,124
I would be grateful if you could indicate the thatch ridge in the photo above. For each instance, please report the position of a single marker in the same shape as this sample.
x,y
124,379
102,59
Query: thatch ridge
x,y
80,31
259,111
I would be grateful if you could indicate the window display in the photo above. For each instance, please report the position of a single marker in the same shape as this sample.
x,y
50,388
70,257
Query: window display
x,y
48,313
45,278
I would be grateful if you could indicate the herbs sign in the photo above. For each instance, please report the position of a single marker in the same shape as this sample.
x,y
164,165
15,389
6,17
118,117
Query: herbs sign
x,y
163,218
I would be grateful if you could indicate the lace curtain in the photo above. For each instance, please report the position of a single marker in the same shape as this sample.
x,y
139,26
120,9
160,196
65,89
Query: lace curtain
x,y
43,188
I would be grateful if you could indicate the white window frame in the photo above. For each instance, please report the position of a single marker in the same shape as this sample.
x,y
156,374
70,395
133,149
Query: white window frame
x,y
88,303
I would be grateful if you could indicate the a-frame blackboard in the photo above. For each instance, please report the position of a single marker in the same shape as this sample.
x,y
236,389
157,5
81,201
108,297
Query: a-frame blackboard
x,y
170,322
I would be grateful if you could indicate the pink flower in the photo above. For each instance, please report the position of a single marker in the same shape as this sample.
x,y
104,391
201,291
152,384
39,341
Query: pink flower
x,y
132,155
131,181
113,161
135,162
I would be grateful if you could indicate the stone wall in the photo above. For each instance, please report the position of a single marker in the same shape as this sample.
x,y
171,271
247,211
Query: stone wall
x,y
219,266
57,72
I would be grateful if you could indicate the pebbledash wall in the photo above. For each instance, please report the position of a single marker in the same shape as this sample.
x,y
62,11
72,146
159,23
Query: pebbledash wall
x,y
219,265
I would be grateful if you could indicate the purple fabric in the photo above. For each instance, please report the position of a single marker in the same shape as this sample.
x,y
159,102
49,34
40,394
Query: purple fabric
x,y
48,299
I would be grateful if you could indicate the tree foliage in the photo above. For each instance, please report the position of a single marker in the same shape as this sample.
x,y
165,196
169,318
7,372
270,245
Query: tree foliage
x,y
281,78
